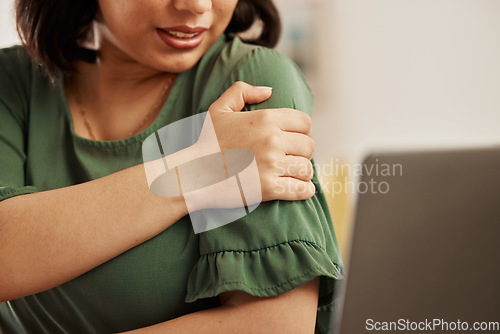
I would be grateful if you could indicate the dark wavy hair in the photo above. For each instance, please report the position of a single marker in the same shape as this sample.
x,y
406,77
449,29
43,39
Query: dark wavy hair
x,y
50,29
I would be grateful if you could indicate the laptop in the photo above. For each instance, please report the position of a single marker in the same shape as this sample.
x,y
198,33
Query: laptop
x,y
425,254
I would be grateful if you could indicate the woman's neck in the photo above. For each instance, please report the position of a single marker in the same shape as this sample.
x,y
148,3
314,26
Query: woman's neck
x,y
116,94
114,72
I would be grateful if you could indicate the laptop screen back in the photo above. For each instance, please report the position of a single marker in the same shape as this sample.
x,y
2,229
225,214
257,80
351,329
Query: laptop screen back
x,y
428,250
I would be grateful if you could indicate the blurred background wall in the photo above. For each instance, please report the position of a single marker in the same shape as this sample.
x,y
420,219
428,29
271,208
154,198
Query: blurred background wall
x,y
396,75
8,34
387,75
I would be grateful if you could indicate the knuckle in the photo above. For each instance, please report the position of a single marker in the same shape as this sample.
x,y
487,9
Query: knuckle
x,y
265,116
269,163
310,147
240,85
309,190
272,141
310,170
307,120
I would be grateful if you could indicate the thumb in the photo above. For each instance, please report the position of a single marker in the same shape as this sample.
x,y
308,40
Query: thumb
x,y
239,94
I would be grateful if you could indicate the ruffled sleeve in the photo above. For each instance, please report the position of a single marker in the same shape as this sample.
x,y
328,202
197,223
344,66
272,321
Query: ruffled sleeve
x,y
281,244
263,272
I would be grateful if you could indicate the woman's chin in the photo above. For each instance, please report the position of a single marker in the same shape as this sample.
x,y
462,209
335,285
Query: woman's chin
x,y
177,63
177,67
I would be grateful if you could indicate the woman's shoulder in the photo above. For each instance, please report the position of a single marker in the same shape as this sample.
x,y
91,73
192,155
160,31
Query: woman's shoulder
x,y
12,53
14,60
236,54
16,74
237,49
232,59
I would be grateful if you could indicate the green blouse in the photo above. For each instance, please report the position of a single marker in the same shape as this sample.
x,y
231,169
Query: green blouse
x,y
277,247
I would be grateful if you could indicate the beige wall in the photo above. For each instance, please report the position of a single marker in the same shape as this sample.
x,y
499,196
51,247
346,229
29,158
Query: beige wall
x,y
406,74
402,74
8,35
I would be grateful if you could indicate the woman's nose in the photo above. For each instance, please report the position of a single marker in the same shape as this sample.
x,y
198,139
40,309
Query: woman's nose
x,y
193,6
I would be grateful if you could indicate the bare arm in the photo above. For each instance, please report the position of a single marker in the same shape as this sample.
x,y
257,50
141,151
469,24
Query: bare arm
x,y
291,312
51,237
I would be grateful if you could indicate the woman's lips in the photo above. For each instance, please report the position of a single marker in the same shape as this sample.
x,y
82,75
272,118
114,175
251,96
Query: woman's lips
x,y
182,37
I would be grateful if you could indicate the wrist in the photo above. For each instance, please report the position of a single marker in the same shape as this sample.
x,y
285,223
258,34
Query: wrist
x,y
162,209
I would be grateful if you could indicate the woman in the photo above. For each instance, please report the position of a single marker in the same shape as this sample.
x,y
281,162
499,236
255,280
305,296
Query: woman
x,y
85,245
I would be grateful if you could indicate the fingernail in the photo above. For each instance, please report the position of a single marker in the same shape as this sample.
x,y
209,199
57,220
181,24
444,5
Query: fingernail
x,y
264,87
